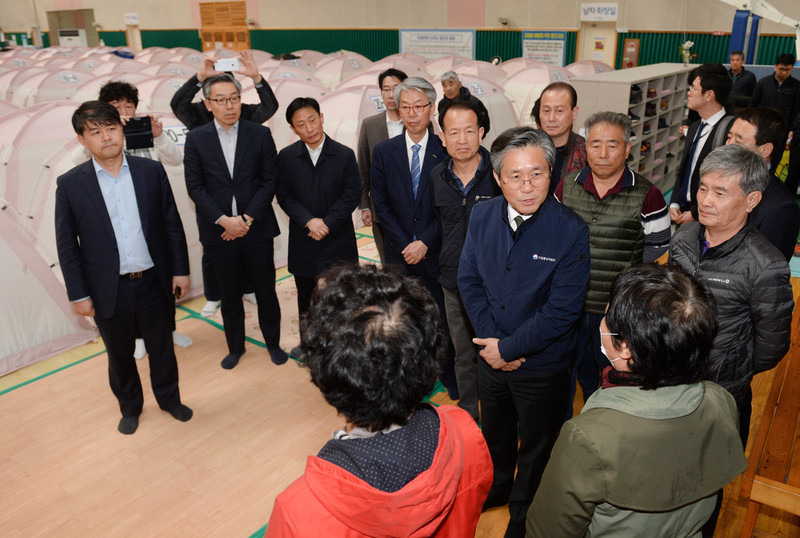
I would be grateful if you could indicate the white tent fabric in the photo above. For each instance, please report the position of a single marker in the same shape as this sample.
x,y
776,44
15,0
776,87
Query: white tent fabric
x,y
497,103
438,66
588,67
312,56
518,64
481,69
525,86
339,66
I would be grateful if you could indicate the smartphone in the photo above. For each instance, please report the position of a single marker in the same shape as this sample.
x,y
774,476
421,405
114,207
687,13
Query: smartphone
x,y
138,133
227,64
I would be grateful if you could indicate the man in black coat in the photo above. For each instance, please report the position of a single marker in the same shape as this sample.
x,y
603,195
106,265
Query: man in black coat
x,y
319,187
777,216
453,90
230,167
123,254
457,185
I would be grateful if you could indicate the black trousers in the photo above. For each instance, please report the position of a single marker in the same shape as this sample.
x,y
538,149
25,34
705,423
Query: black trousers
x,y
234,262
515,405
429,274
210,284
305,287
143,308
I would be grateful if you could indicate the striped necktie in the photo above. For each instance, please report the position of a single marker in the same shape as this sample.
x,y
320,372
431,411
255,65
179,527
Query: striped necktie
x,y
415,168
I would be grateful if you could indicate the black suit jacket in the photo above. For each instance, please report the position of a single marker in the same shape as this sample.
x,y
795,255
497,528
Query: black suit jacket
x,y
777,217
705,150
193,115
331,191
87,247
373,132
402,216
253,183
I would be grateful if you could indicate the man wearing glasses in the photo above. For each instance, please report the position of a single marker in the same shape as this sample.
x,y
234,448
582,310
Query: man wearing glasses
x,y
374,130
230,166
628,223
522,277
400,175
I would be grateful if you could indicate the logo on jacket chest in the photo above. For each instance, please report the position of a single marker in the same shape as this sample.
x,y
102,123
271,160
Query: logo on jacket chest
x,y
540,258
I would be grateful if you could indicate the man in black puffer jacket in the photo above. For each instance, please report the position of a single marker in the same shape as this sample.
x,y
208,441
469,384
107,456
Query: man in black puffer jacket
x,y
457,184
746,274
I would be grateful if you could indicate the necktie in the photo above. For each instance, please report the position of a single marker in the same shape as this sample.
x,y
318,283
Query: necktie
x,y
687,175
415,168
518,220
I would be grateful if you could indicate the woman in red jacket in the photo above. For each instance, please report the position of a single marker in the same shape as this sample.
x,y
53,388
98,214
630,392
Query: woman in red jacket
x,y
399,467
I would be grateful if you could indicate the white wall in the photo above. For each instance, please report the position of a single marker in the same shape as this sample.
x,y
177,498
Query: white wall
x,y
663,15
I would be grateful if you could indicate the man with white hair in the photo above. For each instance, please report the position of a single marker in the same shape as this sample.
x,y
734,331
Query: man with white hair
x,y
453,91
400,175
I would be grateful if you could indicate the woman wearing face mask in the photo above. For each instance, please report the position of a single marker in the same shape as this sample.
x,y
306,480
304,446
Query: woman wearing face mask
x,y
651,449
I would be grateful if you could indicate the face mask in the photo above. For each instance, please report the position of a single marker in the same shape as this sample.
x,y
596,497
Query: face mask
x,y
603,348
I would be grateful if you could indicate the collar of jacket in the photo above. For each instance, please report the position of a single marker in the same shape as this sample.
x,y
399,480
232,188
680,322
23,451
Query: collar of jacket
x,y
661,403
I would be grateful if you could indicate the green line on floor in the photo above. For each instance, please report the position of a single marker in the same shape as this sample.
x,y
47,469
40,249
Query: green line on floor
x,y
15,387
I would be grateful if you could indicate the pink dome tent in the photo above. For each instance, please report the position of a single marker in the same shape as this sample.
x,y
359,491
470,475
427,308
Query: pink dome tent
x,y
588,67
518,64
500,108
481,69
339,66
90,89
438,66
525,86
369,76
311,56
155,93
57,85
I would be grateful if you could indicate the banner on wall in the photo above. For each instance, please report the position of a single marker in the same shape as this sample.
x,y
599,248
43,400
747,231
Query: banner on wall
x,y
434,44
599,12
543,46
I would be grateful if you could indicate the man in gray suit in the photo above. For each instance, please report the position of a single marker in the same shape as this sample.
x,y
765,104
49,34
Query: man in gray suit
x,y
374,130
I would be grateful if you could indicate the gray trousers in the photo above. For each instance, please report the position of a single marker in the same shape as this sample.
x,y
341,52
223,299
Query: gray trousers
x,y
466,353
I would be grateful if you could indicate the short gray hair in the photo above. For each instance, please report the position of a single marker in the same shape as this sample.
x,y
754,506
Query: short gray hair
x,y
415,83
520,138
450,75
734,160
224,77
611,118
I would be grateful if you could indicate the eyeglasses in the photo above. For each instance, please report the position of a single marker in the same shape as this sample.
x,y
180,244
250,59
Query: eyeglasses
x,y
537,179
416,108
234,100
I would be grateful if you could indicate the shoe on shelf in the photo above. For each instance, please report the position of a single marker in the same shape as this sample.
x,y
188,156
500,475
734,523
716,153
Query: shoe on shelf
x,y
181,340
634,118
652,92
250,298
139,351
646,128
662,123
209,309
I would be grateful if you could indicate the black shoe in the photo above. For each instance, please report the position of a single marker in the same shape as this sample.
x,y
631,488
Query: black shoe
x,y
296,352
128,425
231,360
278,356
634,118
181,412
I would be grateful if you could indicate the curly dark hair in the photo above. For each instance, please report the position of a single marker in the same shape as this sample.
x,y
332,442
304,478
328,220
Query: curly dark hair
x,y
372,344
115,90
667,319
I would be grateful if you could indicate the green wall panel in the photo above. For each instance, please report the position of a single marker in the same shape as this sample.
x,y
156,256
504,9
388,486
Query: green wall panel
x,y
374,44
171,38
771,46
508,45
665,47
114,38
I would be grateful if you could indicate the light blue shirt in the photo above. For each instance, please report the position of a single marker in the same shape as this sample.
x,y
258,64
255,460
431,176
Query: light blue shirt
x,y
120,199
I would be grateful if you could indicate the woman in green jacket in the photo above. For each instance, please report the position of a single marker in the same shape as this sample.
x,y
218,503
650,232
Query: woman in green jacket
x,y
650,450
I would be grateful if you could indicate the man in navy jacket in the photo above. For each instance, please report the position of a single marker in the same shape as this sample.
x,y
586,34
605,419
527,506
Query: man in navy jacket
x,y
123,254
523,276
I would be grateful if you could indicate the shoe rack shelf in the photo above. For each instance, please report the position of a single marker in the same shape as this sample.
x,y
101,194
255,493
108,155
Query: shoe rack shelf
x,y
654,97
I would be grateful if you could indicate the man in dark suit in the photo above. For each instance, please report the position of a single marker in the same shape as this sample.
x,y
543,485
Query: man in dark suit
x,y
777,215
400,175
318,188
123,254
709,87
375,130
230,166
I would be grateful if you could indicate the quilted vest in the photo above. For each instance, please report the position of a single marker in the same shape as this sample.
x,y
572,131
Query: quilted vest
x,y
616,235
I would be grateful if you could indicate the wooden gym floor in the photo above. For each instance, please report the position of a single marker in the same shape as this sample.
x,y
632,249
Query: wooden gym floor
x,y
65,468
